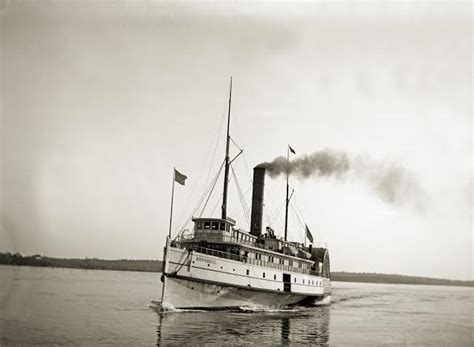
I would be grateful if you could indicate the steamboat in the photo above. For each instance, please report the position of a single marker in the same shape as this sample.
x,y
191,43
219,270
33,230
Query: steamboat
x,y
217,265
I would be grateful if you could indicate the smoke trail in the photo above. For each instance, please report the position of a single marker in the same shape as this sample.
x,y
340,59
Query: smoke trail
x,y
321,163
390,182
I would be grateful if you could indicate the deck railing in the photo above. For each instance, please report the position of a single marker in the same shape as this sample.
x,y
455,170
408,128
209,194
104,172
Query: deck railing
x,y
218,236
247,260
214,236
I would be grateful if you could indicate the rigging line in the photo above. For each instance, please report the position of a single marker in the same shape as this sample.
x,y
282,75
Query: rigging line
x,y
205,160
271,202
212,189
233,212
193,190
248,211
248,188
249,177
235,144
194,210
245,196
246,216
298,209
236,207
267,219
295,228
217,202
209,193
241,197
277,222
198,205
296,205
238,189
219,134
241,194
297,217
183,227
249,173
276,211
203,196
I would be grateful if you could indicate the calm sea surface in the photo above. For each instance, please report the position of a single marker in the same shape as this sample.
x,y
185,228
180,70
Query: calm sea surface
x,y
42,306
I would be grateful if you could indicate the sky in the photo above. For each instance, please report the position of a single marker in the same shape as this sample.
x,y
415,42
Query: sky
x,y
100,100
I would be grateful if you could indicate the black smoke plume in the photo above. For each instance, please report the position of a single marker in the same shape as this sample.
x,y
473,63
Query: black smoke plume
x,y
390,182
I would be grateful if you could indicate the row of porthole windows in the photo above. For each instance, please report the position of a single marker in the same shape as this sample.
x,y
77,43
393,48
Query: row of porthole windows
x,y
311,282
208,265
263,274
291,263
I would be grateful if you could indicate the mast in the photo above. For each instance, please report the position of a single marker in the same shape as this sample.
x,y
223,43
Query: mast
x,y
227,159
287,191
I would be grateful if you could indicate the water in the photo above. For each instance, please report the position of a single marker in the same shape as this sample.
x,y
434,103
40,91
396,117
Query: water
x,y
41,306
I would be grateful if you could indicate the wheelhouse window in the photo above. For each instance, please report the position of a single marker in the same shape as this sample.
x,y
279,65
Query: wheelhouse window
x,y
199,225
207,225
215,226
221,226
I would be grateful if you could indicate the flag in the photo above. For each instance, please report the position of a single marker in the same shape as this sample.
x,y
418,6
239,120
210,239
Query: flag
x,y
292,150
179,177
308,235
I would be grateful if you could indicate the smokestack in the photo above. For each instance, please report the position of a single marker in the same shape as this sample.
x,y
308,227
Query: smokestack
x,y
257,200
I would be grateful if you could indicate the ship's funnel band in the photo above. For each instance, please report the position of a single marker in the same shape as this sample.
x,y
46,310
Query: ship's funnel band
x,y
257,201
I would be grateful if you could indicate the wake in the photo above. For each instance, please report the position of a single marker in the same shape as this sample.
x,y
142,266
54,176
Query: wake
x,y
158,307
165,307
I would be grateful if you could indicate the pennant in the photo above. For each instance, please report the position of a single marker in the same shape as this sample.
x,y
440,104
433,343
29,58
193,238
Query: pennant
x,y
308,234
179,177
292,150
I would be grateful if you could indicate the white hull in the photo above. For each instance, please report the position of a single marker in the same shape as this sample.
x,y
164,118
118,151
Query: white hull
x,y
184,293
196,280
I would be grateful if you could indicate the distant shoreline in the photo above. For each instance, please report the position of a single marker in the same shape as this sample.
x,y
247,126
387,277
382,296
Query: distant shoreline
x,y
156,266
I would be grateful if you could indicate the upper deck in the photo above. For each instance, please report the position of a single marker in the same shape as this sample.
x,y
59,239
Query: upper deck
x,y
221,236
